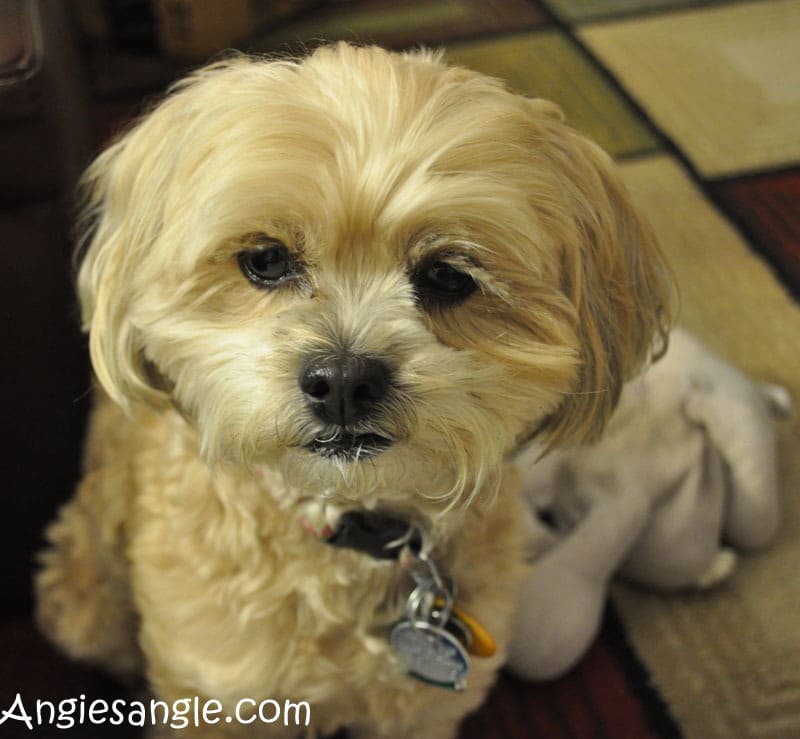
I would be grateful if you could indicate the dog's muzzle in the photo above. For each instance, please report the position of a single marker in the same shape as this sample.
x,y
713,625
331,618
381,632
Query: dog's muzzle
x,y
343,390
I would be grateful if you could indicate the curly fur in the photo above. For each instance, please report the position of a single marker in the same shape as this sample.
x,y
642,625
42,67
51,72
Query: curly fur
x,y
182,544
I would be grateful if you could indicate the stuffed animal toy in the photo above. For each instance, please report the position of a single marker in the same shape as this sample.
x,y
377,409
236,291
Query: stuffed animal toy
x,y
685,476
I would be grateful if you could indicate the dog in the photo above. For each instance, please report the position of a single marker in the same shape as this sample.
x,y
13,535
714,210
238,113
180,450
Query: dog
x,y
345,287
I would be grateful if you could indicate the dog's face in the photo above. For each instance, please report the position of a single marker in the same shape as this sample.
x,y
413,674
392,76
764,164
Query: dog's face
x,y
368,273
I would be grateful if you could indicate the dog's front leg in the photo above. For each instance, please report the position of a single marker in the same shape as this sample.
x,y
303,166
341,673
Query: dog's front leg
x,y
83,598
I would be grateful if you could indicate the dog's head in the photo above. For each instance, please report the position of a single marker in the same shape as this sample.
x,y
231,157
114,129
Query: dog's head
x,y
367,272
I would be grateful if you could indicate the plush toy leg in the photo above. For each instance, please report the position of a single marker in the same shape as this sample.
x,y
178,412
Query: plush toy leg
x,y
721,568
680,546
740,428
561,602
777,398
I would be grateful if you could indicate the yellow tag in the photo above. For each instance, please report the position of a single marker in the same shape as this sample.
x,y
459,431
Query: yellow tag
x,y
482,644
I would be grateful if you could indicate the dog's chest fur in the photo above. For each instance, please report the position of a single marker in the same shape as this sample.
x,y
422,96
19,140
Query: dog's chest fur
x,y
238,599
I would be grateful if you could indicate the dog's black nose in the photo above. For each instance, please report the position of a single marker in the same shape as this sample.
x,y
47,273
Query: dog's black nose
x,y
344,388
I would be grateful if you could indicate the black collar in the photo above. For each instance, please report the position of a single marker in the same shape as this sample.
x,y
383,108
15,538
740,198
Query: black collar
x,y
377,534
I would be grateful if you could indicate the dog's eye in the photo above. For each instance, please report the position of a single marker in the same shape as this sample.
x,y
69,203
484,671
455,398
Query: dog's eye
x,y
442,284
267,265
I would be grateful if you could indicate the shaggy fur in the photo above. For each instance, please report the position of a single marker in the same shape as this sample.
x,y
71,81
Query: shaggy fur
x,y
181,554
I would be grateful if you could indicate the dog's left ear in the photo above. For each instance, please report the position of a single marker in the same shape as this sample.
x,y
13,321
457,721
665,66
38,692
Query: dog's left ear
x,y
612,273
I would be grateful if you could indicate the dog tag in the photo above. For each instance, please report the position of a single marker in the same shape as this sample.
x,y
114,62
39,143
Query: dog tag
x,y
470,632
429,640
431,654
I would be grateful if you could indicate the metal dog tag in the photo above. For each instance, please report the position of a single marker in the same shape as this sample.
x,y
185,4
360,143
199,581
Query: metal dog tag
x,y
431,654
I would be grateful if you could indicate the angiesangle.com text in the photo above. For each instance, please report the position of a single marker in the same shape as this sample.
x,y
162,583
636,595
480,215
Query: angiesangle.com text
x,y
70,713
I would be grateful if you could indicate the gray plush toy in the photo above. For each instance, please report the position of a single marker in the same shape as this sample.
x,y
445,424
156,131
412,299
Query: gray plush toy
x,y
683,479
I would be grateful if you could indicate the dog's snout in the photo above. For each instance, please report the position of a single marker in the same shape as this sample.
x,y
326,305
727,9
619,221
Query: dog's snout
x,y
345,388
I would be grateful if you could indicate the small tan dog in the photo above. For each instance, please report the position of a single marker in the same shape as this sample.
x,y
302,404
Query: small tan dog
x,y
351,284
